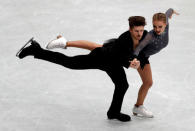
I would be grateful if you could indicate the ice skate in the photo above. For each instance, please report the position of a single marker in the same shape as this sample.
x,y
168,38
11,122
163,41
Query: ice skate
x,y
30,50
60,42
142,111
119,116
29,41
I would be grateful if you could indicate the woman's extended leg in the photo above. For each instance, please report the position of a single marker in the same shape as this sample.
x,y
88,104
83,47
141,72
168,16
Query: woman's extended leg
x,y
84,44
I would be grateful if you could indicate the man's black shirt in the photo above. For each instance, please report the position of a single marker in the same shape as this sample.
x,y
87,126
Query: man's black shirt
x,y
120,51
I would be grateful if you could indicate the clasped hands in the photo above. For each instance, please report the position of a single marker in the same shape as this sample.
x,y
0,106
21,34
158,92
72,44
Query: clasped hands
x,y
134,63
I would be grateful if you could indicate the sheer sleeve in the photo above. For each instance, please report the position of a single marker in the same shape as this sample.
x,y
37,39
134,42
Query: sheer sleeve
x,y
143,44
168,13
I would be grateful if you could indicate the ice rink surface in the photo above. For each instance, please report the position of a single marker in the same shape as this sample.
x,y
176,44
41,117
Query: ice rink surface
x,y
40,96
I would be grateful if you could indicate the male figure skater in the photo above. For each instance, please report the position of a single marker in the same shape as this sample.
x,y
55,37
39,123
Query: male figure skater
x,y
110,59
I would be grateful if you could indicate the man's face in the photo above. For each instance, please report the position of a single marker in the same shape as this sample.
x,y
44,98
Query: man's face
x,y
137,32
159,27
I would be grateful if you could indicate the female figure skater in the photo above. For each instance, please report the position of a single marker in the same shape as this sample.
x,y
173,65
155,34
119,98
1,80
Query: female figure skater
x,y
154,41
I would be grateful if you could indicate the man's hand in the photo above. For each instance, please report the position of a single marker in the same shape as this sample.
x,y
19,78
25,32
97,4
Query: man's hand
x,y
135,63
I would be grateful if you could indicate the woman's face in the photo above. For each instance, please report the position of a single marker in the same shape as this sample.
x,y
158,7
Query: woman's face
x,y
159,27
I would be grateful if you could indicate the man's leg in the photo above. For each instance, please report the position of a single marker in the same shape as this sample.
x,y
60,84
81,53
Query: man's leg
x,y
75,62
119,79
90,61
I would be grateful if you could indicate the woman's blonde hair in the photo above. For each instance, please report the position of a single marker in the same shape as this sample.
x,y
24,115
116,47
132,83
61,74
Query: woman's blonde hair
x,y
159,17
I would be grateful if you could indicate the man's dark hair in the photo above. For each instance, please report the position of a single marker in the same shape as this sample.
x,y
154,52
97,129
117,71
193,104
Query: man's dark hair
x,y
136,21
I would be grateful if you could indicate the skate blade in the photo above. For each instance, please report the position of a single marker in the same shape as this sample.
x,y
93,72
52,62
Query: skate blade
x,y
17,54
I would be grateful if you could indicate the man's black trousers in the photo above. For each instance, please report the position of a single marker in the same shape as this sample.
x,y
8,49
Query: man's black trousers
x,y
94,60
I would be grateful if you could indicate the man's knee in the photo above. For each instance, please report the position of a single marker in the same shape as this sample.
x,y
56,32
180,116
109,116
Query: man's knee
x,y
123,85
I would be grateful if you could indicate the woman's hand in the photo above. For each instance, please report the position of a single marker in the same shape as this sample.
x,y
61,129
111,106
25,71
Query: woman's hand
x,y
174,12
